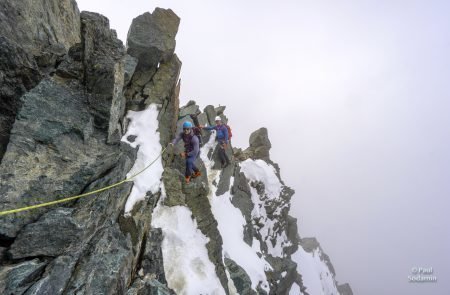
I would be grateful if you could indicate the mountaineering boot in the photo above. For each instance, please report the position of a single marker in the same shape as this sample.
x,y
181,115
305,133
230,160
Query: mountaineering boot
x,y
188,179
196,174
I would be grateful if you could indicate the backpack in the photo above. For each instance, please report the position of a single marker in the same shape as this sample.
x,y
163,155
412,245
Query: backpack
x,y
230,134
198,132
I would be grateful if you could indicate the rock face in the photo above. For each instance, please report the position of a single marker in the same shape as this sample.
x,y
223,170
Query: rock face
x,y
151,38
66,85
36,25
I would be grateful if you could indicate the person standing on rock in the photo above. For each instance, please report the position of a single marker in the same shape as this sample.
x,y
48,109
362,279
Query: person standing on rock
x,y
191,150
222,139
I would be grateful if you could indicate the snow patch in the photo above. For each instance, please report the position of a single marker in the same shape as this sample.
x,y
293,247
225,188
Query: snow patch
x,y
258,170
186,263
316,276
295,290
144,126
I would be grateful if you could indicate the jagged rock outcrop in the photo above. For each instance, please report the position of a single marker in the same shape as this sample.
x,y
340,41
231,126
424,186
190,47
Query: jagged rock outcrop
x,y
36,25
67,85
151,38
33,37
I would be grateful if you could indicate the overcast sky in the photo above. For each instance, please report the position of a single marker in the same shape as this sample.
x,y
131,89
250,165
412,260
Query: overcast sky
x,y
356,98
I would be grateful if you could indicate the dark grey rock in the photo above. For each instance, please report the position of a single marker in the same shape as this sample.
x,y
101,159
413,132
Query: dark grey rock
x,y
50,56
163,83
55,278
152,260
37,24
345,289
51,235
168,116
190,109
292,234
70,69
280,284
149,286
50,154
242,199
259,145
18,74
151,38
2,254
104,73
240,278
211,114
220,110
106,267
17,278
173,180
225,178
130,64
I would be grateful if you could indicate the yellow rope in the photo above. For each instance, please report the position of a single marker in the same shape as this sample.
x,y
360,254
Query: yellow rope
x,y
79,196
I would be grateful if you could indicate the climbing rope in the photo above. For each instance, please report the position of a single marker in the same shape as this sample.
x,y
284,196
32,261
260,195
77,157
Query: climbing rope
x,y
6,212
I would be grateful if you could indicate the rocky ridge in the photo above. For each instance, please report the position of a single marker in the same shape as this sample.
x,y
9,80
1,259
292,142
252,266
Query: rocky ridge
x,y
67,84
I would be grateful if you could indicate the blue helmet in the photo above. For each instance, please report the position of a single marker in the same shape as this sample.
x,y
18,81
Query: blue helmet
x,y
187,124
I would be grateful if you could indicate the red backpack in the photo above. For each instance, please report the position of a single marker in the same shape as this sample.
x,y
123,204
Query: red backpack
x,y
230,134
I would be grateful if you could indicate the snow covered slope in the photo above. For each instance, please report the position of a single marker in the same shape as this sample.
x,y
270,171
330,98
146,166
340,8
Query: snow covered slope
x,y
241,239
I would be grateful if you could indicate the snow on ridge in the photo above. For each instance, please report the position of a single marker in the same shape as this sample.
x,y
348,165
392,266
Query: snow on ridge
x,y
231,227
230,223
144,125
259,170
186,262
295,290
316,276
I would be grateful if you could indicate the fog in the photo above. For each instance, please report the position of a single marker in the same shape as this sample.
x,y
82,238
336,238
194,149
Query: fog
x,y
356,98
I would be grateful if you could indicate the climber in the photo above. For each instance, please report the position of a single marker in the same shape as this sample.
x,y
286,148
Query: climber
x,y
191,150
222,139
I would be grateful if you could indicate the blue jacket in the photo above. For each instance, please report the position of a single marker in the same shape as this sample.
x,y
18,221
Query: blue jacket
x,y
221,132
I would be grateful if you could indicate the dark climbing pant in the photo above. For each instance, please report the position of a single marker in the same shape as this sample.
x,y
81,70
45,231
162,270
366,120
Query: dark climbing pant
x,y
223,154
190,165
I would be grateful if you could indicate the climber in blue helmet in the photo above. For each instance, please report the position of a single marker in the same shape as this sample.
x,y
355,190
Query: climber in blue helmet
x,y
191,150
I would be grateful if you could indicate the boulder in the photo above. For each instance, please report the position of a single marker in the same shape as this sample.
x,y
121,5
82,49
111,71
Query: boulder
x,y
151,37
345,289
57,275
50,236
17,278
259,145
